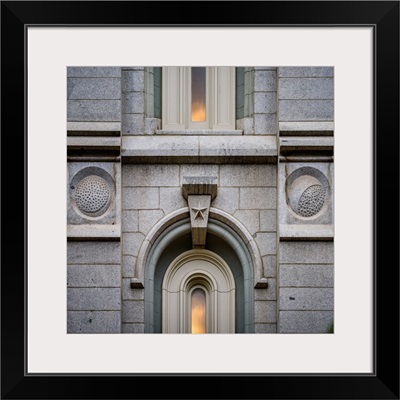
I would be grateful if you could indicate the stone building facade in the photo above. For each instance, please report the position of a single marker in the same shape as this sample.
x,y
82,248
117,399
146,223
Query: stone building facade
x,y
236,207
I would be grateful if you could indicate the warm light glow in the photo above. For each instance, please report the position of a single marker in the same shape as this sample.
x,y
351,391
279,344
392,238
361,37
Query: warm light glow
x,y
198,94
198,311
198,112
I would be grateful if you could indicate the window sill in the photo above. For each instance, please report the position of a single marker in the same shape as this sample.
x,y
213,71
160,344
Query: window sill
x,y
198,132
199,149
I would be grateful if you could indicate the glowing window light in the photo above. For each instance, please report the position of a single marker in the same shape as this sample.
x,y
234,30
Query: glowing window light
x,y
198,94
198,311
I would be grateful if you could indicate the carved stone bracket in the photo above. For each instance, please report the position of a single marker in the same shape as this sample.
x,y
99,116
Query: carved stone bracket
x,y
199,207
136,283
199,192
262,283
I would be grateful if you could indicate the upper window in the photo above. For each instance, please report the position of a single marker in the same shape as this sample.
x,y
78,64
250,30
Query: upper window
x,y
198,93
198,98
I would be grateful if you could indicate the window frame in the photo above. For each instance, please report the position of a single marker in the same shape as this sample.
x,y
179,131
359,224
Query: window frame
x,y
213,276
220,99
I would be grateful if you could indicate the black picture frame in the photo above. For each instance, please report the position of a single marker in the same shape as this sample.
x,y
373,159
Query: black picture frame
x,y
383,383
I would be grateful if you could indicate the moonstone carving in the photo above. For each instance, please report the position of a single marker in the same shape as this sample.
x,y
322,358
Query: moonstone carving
x,y
307,192
92,195
311,201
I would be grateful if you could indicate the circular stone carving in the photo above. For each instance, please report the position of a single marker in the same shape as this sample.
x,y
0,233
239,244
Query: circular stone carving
x,y
307,189
311,201
92,195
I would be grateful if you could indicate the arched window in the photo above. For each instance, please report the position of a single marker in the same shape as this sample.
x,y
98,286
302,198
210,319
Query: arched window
x,y
198,311
198,295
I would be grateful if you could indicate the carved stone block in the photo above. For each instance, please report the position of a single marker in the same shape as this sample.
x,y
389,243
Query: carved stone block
x,y
199,206
305,193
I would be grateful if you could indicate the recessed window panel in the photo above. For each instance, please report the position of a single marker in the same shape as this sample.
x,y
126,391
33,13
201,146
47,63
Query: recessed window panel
x,y
198,94
198,311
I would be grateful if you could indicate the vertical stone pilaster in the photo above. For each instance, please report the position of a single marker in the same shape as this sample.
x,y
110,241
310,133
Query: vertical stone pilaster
x,y
133,100
305,200
264,97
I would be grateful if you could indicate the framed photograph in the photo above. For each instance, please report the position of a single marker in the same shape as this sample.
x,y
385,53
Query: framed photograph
x,y
201,204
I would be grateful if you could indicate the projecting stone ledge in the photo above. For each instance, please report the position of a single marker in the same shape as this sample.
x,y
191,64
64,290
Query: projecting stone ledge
x,y
293,144
314,232
93,232
199,149
307,128
93,128
93,143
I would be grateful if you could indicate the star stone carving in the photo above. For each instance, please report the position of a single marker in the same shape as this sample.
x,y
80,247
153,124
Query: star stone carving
x,y
199,207
199,212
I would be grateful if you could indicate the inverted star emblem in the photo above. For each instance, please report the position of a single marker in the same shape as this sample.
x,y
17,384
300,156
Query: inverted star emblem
x,y
199,212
